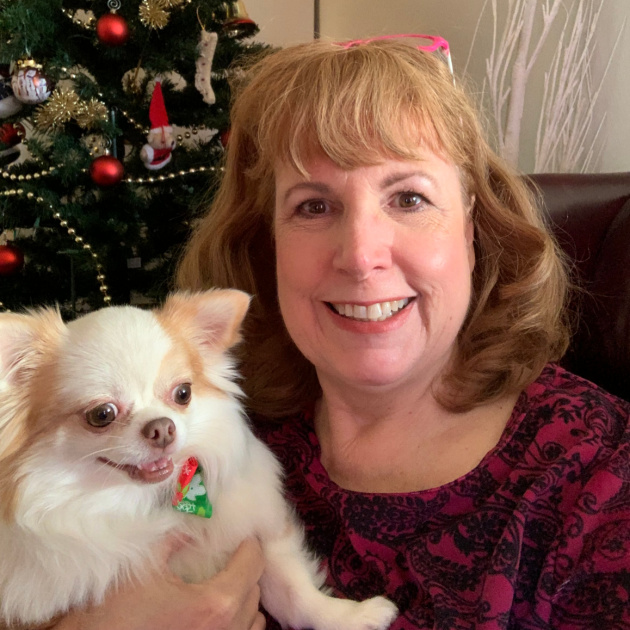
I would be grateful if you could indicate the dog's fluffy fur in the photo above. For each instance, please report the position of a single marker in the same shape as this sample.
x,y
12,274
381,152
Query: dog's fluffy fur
x,y
81,508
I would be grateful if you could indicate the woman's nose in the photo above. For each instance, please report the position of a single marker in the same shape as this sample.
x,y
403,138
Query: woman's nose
x,y
364,244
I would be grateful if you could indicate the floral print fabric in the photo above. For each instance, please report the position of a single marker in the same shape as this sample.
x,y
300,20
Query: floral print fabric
x,y
536,536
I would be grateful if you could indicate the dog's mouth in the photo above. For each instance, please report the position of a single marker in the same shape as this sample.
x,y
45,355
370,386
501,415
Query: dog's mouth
x,y
145,472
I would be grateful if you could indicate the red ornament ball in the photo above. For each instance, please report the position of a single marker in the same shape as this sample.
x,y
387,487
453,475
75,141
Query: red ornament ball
x,y
11,134
106,170
11,259
112,29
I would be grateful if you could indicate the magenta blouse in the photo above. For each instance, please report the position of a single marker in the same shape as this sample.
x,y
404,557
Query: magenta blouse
x,y
536,536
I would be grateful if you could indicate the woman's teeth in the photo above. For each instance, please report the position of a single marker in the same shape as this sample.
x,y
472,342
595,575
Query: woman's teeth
x,y
372,313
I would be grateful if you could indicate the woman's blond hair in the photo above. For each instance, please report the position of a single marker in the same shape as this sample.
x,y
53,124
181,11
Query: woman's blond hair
x,y
359,106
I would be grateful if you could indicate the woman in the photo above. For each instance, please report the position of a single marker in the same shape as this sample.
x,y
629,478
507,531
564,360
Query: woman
x,y
407,302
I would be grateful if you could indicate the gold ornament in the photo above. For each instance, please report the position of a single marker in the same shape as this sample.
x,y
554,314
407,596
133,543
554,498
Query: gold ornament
x,y
90,113
154,13
132,80
84,19
62,106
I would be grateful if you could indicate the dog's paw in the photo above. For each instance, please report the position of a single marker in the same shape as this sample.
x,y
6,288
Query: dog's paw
x,y
372,614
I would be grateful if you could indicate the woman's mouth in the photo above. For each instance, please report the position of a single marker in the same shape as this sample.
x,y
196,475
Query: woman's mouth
x,y
377,312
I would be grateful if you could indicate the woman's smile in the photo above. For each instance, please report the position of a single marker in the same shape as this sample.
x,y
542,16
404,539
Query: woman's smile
x,y
376,312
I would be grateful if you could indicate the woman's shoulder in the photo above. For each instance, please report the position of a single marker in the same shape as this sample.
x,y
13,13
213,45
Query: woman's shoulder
x,y
572,408
555,381
566,431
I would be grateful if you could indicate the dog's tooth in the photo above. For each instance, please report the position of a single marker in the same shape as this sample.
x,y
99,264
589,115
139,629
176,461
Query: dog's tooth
x,y
157,464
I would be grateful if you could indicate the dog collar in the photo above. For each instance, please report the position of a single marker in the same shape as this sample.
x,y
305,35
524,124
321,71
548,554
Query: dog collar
x,y
191,495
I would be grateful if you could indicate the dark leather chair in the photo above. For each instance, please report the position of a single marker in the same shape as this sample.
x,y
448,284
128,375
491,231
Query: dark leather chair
x,y
590,215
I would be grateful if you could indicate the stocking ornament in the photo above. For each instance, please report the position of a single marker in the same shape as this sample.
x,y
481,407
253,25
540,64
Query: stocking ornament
x,y
203,74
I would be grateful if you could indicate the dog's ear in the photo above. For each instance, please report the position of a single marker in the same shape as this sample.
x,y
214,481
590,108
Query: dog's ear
x,y
24,340
212,318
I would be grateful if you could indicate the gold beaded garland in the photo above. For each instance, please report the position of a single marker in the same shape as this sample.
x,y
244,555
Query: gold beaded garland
x,y
71,232
160,178
29,176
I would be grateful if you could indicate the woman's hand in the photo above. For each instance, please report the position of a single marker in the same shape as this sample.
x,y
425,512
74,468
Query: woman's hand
x,y
227,601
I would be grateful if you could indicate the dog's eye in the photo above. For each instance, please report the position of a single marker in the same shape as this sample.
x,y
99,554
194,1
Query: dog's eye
x,y
182,394
102,415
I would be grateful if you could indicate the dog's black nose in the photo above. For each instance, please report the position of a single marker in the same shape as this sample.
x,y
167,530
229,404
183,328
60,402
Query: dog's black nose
x,y
159,432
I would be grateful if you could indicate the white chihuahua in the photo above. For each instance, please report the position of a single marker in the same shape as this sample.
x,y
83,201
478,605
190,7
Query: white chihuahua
x,y
99,419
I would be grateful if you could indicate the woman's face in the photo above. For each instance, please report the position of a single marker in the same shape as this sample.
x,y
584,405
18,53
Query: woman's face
x,y
374,267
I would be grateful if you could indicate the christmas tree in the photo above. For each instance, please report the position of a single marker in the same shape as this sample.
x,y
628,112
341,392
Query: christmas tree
x,y
114,120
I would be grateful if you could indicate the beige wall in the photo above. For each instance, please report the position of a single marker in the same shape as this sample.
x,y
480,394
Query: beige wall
x,y
282,22
289,21
615,96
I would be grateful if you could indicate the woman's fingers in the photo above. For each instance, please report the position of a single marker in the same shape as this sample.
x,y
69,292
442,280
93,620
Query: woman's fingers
x,y
246,564
259,622
227,601
233,594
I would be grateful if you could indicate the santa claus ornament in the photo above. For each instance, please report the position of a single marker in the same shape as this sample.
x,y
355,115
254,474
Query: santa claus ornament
x,y
160,140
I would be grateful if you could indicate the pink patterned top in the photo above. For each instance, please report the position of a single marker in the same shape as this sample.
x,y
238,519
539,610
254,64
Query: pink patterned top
x,y
536,536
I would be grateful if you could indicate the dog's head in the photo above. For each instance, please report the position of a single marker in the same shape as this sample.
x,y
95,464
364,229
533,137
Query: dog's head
x,y
121,396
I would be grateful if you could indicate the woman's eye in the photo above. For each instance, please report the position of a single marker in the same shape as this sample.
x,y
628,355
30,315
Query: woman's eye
x,y
182,394
313,207
409,200
102,416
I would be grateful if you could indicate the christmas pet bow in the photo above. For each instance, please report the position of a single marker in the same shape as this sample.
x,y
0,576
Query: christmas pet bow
x,y
191,495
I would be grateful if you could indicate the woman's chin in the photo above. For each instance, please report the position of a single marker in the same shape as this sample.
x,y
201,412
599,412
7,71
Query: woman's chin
x,y
372,376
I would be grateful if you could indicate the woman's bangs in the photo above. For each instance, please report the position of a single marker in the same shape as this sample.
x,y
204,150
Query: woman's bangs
x,y
356,114
354,136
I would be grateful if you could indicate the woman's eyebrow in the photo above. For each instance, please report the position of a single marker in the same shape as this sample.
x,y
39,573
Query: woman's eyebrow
x,y
387,181
318,187
394,178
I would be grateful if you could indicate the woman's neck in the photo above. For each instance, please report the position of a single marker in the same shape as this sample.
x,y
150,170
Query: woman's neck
x,y
395,444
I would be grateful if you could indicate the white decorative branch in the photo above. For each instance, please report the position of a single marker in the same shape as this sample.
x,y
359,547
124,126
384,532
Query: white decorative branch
x,y
566,140
567,133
